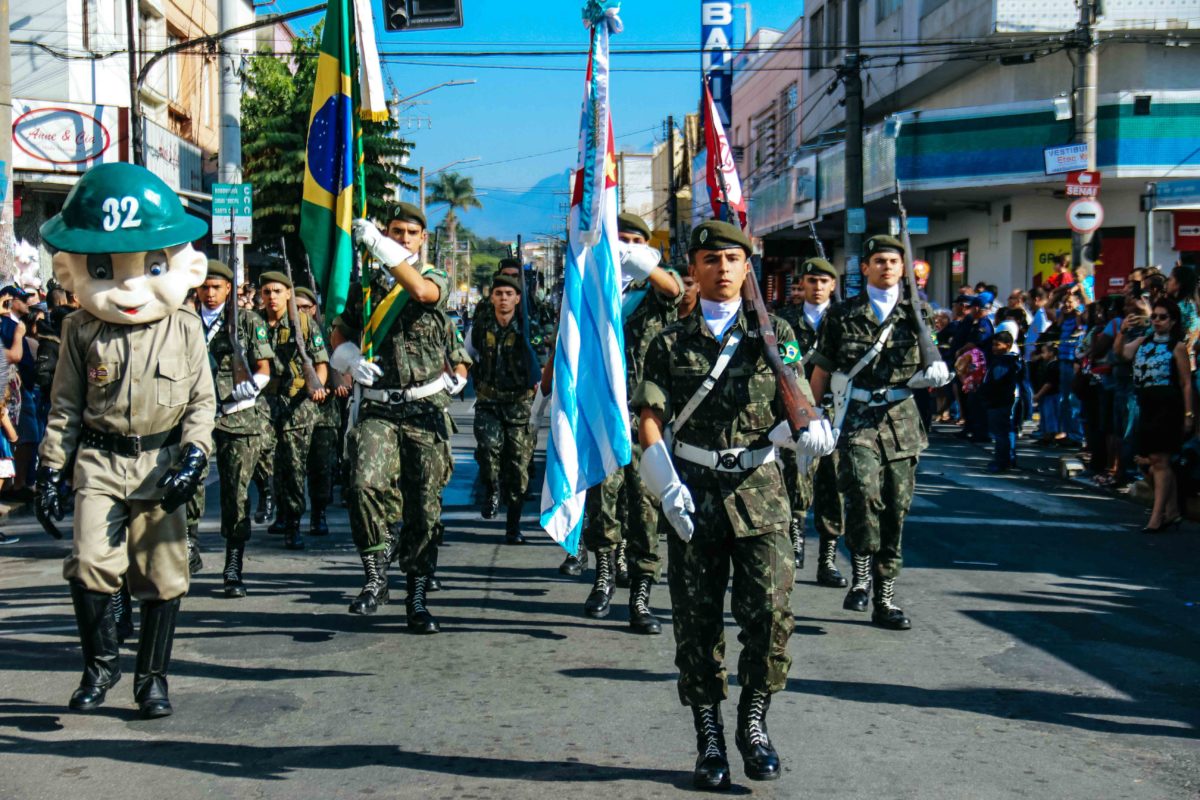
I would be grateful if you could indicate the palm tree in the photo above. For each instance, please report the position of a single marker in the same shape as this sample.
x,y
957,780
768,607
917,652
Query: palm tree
x,y
457,193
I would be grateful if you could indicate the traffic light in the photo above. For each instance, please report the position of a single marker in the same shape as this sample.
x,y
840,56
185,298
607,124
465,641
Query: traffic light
x,y
412,15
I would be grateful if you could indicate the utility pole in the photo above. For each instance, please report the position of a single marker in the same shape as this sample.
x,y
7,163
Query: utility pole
x,y
852,78
6,176
672,194
229,166
135,116
1087,69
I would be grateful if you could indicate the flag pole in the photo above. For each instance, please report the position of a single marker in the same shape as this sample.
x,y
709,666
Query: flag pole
x,y
367,345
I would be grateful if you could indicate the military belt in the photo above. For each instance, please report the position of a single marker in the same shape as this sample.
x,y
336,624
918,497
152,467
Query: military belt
x,y
880,397
129,446
399,396
735,459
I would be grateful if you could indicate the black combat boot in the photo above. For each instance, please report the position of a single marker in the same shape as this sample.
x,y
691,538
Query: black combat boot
x,y
857,598
641,619
195,563
573,566
392,551
491,503
234,557
796,532
266,502
512,531
827,571
759,758
375,591
886,613
419,618
280,526
622,564
292,538
317,524
122,611
98,640
153,658
712,763
597,603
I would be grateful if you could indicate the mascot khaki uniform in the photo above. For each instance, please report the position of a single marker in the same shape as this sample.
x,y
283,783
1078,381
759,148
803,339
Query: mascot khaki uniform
x,y
132,407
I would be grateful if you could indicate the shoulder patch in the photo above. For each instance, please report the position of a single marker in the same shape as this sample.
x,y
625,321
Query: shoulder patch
x,y
260,333
317,339
789,351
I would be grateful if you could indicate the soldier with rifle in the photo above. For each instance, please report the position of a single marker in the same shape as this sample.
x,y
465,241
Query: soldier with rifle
x,y
243,417
718,399
874,350
323,456
297,388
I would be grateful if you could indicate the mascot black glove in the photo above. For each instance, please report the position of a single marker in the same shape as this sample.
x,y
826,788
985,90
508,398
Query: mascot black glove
x,y
181,480
48,502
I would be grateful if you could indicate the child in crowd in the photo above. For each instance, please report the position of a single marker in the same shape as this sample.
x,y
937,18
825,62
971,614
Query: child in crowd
x,y
1000,394
971,367
1046,399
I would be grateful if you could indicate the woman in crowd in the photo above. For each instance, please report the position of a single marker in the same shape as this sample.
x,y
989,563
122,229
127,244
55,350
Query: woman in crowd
x,y
1163,381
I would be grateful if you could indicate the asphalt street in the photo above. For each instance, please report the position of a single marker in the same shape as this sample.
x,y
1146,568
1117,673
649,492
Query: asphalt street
x,y
1053,655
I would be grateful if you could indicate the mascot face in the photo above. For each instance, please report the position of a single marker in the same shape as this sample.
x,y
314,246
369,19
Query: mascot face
x,y
131,288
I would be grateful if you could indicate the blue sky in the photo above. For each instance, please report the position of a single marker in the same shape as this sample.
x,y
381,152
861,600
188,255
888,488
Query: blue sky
x,y
511,112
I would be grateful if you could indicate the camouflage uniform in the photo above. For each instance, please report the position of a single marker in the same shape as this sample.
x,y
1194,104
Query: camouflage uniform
x,y
324,455
293,413
879,445
739,519
408,440
620,509
238,436
821,490
799,487
504,398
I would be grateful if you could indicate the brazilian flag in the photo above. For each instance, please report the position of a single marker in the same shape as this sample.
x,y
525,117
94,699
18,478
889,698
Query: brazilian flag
x,y
329,164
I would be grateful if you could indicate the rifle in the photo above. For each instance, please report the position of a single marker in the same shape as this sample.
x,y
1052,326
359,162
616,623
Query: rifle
x,y
241,366
929,350
812,232
533,363
311,382
799,411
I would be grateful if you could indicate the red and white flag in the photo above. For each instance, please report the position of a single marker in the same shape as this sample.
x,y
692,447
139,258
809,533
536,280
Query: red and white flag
x,y
722,171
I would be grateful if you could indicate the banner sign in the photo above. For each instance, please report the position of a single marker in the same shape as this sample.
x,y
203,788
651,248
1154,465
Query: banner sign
x,y
716,58
64,137
1068,158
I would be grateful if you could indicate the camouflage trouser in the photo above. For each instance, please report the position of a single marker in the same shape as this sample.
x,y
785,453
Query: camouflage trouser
x,y
503,446
264,468
877,494
322,465
195,506
620,508
763,574
291,465
799,487
827,498
417,450
237,456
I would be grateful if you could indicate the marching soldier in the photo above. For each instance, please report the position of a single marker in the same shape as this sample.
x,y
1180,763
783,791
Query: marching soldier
x,y
264,478
649,303
326,439
711,422
132,407
797,480
403,427
294,410
868,355
819,279
243,416
504,398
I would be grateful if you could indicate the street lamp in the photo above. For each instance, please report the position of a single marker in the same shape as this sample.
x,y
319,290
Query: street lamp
x,y
431,88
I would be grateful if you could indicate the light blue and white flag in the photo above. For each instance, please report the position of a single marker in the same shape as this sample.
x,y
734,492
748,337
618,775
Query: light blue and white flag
x,y
589,417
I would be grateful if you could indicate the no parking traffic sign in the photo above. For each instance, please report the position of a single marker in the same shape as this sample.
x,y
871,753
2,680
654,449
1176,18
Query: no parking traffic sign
x,y
1085,215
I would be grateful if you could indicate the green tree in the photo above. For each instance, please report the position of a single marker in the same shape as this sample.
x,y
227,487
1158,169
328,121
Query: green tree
x,y
275,110
457,193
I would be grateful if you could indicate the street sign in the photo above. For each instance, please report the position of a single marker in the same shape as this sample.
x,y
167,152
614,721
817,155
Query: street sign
x,y
1070,158
1085,216
235,199
917,226
1083,184
1173,194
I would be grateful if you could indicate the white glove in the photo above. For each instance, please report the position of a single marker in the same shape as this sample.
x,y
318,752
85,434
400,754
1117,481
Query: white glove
x,y
662,481
638,260
248,390
817,439
540,401
385,251
455,383
932,377
348,360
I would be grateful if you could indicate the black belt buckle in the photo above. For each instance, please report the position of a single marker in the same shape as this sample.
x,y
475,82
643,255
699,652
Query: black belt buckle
x,y
879,397
395,396
132,445
730,460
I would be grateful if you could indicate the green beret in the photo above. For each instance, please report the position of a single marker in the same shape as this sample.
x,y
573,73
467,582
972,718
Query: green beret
x,y
217,269
632,223
273,277
304,291
407,212
882,244
507,280
717,235
818,266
